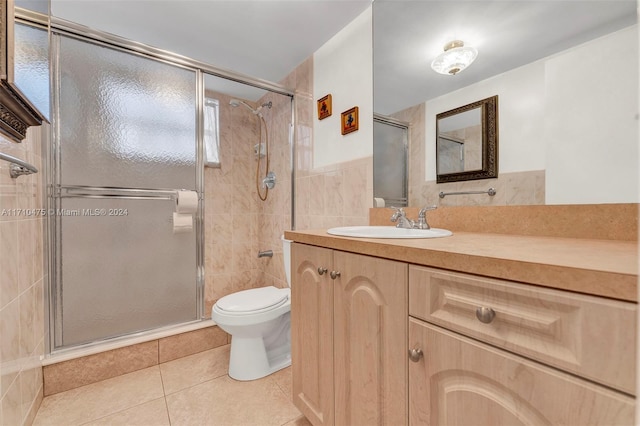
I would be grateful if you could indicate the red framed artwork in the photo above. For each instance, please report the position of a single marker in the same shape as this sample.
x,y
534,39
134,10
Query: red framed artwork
x,y
324,107
350,120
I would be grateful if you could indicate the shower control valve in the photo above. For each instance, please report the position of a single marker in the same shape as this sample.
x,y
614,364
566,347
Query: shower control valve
x,y
269,181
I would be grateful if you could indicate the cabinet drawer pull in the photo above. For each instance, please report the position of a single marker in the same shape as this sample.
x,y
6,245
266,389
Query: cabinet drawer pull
x,y
415,354
321,270
485,315
334,274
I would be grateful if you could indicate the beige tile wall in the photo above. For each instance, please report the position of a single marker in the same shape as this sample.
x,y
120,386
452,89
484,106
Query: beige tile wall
x,y
512,189
238,223
274,214
518,188
336,195
230,208
22,275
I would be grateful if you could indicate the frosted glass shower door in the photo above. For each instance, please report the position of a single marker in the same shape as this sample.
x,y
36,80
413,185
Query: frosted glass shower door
x,y
126,141
390,162
123,269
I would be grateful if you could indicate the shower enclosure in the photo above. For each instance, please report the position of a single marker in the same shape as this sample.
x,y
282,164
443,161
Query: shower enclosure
x,y
125,141
390,141
450,154
129,126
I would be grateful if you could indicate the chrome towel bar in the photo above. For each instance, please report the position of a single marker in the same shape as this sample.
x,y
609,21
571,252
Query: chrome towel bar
x,y
18,167
71,191
490,191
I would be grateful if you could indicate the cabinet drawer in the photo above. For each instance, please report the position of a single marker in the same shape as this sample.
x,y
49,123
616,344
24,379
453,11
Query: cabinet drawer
x,y
460,381
590,336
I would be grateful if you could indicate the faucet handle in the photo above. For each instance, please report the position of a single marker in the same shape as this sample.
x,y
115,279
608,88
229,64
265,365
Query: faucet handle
x,y
422,217
423,211
399,212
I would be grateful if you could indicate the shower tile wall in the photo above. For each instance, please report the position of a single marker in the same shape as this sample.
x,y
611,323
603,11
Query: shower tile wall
x,y
336,195
230,206
22,275
237,223
274,214
516,188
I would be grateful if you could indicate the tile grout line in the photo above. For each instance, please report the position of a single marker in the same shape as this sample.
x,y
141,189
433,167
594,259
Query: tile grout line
x,y
164,392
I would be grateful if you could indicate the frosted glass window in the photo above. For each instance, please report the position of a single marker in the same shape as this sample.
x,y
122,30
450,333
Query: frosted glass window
x,y
211,133
31,65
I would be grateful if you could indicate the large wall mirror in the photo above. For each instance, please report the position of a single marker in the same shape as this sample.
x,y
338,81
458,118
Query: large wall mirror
x,y
467,142
568,113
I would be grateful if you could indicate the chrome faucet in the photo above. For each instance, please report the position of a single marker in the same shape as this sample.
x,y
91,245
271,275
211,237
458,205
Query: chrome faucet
x,y
400,216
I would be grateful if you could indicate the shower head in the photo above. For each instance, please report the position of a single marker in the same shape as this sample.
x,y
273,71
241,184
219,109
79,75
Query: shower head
x,y
237,102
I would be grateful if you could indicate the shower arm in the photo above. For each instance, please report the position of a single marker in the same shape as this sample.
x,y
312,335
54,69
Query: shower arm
x,y
237,102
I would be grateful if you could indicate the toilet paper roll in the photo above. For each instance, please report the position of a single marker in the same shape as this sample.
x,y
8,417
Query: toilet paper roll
x,y
182,223
378,202
187,202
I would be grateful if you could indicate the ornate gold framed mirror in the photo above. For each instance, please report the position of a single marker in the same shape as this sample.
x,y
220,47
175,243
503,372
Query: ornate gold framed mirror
x,y
467,142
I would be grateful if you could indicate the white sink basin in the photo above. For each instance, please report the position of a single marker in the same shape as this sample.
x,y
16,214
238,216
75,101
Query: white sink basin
x,y
387,232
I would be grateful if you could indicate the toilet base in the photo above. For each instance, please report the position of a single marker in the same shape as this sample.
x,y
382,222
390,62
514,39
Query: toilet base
x,y
253,357
251,366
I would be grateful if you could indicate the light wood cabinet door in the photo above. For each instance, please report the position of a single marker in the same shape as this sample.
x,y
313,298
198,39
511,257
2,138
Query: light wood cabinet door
x,y
312,333
370,331
460,381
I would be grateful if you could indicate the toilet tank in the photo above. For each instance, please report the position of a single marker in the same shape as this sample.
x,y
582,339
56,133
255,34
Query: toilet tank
x,y
286,256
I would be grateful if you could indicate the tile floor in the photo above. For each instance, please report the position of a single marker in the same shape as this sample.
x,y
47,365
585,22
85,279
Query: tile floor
x,y
194,390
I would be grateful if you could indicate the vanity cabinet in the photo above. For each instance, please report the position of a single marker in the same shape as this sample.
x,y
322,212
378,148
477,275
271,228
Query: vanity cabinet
x,y
460,381
493,352
349,333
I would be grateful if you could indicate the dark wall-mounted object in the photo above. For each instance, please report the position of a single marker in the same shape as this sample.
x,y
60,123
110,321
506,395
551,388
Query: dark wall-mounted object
x,y
17,113
467,142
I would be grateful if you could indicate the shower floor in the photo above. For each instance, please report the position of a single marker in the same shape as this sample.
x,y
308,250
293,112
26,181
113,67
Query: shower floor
x,y
193,390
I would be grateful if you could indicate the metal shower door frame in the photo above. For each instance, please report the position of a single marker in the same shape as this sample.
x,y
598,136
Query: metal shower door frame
x,y
64,27
55,192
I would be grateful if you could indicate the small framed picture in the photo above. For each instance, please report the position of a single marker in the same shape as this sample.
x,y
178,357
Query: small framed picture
x,y
350,120
324,107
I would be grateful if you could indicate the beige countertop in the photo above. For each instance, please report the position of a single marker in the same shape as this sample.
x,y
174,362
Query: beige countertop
x,y
606,268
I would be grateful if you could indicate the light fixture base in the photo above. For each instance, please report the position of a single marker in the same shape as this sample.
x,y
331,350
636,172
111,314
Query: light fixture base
x,y
453,44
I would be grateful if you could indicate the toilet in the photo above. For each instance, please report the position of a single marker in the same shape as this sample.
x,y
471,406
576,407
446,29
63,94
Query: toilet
x,y
259,323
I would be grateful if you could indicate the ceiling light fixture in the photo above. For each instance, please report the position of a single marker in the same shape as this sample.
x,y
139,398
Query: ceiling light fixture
x,y
455,58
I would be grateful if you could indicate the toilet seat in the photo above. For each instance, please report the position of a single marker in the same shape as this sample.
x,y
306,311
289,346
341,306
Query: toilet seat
x,y
253,301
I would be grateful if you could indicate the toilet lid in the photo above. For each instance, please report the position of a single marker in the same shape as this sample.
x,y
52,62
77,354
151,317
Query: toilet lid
x,y
253,299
